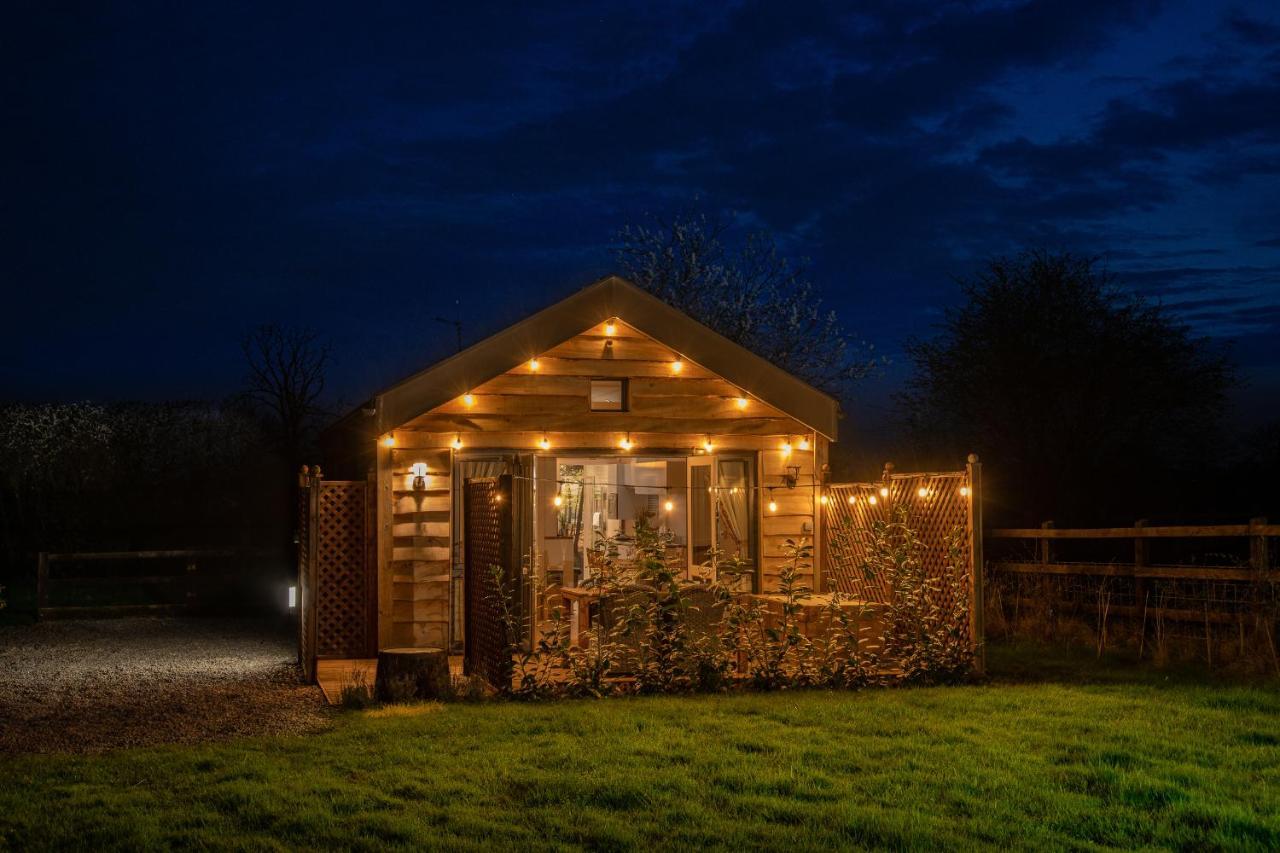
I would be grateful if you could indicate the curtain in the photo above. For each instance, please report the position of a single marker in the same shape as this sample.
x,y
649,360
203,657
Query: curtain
x,y
732,499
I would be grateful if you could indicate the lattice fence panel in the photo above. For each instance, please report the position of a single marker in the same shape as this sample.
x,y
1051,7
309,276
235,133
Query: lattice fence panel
x,y
935,505
342,576
488,532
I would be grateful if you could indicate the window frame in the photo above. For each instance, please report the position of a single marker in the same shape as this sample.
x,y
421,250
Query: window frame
x,y
624,394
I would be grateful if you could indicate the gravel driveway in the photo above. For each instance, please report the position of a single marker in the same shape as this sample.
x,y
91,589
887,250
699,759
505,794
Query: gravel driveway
x,y
89,686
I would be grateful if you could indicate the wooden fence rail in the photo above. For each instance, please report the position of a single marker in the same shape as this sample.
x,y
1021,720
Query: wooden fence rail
x,y
191,573
1257,531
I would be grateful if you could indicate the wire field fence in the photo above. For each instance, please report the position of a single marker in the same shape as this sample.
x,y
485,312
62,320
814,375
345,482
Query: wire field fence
x,y
944,509
1209,593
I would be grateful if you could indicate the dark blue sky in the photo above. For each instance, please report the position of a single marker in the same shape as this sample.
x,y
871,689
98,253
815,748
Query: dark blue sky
x,y
174,176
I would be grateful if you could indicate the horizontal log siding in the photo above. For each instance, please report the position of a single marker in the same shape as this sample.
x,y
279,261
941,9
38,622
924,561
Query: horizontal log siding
x,y
416,548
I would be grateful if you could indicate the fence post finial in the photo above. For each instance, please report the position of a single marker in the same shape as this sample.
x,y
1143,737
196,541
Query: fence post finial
x,y
973,459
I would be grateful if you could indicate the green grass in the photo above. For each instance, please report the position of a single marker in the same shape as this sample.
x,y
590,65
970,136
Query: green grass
x,y
1086,756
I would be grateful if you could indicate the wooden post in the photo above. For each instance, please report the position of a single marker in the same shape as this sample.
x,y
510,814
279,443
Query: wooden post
x,y
977,615
1141,554
42,583
1259,559
1046,548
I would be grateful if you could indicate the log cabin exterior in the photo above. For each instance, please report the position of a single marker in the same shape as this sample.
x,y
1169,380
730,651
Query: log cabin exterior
x,y
610,401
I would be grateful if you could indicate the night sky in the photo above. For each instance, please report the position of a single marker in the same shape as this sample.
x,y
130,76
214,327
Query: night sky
x,y
174,176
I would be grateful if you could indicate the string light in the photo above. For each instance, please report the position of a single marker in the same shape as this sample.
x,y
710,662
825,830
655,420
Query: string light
x,y
786,447
610,328
707,445
677,366
823,500
773,505
853,499
884,491
922,492
871,499
742,402
804,443
533,365
625,443
457,442
468,400
389,441
557,500
964,491
669,505
545,443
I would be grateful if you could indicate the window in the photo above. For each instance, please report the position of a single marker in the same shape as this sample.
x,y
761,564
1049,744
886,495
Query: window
x,y
608,395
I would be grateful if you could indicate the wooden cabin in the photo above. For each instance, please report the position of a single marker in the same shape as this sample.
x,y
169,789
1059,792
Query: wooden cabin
x,y
602,409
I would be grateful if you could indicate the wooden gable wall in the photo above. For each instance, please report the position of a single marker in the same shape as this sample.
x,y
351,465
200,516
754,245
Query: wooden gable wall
x,y
669,411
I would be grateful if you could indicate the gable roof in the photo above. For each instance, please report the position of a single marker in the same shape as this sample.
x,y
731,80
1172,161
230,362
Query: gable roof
x,y
610,297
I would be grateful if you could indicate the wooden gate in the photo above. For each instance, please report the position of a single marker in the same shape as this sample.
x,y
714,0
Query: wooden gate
x,y
491,602
337,570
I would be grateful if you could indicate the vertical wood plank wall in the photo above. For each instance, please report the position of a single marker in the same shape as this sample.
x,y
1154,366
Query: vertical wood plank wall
x,y
672,412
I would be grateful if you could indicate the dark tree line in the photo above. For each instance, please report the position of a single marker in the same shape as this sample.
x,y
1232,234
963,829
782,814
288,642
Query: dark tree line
x,y
1089,404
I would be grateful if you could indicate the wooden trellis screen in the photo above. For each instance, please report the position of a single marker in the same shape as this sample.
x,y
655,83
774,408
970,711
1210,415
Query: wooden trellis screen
x,y
337,569
937,506
487,505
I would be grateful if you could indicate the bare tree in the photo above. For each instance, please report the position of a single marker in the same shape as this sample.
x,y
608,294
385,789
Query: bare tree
x,y
749,293
286,378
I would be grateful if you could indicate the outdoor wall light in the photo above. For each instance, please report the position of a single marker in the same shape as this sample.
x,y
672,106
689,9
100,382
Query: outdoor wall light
x,y
389,441
742,402
610,327
293,598
419,472
533,365
677,366
792,476
468,400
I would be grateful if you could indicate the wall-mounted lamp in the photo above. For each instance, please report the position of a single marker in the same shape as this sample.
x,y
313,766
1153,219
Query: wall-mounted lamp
x,y
419,472
792,476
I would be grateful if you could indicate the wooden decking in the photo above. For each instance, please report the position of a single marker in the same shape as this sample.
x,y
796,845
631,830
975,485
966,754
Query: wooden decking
x,y
332,675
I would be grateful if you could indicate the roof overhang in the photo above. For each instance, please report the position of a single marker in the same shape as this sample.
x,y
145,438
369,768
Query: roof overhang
x,y
611,297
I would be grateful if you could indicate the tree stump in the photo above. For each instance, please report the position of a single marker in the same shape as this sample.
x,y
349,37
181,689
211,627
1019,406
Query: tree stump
x,y
405,674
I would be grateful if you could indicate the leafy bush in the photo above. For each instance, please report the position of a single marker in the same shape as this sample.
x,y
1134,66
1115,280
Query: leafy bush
x,y
659,631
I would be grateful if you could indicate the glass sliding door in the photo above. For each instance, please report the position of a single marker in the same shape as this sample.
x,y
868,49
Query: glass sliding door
x,y
722,509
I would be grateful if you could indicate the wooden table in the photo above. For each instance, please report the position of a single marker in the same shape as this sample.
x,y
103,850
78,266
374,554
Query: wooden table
x,y
579,624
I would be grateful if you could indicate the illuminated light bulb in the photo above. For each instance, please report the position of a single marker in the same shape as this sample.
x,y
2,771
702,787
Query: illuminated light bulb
x,y
625,443
669,505
468,400
558,501
742,402
533,364
872,500
853,499
389,441
823,500
773,506
708,446
418,476
677,366
804,444
610,327
497,497
456,444
786,448
964,491
545,443
922,492
884,491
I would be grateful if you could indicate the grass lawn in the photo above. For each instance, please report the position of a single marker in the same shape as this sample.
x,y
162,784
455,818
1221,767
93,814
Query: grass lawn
x,y
1086,755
